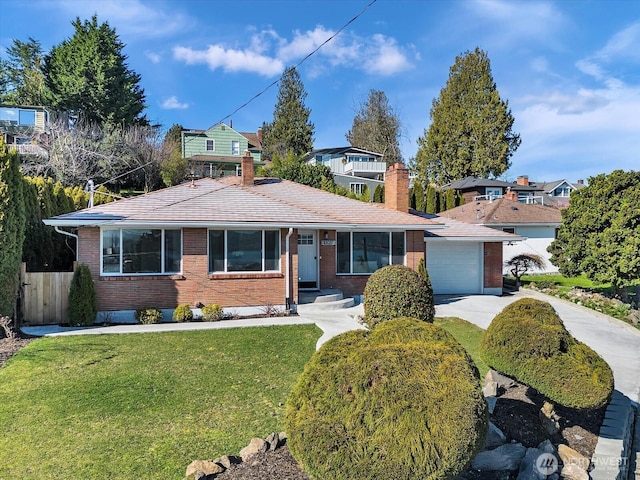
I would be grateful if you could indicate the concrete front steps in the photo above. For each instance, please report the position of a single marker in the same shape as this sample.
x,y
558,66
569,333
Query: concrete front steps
x,y
323,301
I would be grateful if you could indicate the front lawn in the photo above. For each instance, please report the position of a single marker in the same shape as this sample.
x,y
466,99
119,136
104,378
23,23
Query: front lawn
x,y
469,336
144,406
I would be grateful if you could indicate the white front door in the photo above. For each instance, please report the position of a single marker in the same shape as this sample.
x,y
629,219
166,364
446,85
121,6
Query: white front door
x,y
307,259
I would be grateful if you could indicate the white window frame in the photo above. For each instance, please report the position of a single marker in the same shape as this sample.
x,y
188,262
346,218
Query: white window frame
x,y
120,273
226,243
357,188
234,144
351,260
493,192
213,145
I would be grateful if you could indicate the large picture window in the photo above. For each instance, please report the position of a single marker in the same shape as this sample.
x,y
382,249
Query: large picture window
x,y
129,251
366,252
244,251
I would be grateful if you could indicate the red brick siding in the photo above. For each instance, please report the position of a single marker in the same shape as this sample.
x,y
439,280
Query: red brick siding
x,y
192,286
354,284
493,265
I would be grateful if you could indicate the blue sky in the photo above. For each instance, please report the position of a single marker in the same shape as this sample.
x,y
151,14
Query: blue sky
x,y
570,69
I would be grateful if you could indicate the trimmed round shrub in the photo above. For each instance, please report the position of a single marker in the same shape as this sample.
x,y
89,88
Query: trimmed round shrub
x,y
401,401
397,291
148,316
211,312
182,313
529,342
82,307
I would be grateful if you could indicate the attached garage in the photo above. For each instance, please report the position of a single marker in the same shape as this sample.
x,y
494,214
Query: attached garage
x,y
455,267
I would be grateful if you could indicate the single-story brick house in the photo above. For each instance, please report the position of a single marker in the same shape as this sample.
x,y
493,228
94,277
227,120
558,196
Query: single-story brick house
x,y
246,242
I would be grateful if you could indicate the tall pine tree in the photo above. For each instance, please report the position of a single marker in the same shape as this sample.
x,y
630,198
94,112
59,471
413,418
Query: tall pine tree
x,y
376,128
88,77
471,126
22,80
290,131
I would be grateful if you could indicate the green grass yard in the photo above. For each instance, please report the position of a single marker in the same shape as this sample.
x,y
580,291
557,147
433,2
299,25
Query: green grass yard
x,y
144,405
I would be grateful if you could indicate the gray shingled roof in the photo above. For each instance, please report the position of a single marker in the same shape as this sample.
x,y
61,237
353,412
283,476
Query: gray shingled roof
x,y
503,212
462,231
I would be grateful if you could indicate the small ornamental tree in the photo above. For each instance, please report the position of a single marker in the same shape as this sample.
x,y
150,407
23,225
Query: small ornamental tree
x,y
401,401
397,291
519,265
529,342
82,308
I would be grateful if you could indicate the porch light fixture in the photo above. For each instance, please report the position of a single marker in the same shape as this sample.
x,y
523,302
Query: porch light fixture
x,y
326,235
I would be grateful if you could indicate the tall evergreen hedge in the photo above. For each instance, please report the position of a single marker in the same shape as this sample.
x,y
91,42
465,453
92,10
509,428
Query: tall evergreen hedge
x,y
12,228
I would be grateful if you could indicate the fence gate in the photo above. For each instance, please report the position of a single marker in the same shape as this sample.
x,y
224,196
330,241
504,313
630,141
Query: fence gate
x,y
44,296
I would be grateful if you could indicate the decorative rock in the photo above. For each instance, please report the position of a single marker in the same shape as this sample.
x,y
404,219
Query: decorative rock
x,y
495,437
505,457
490,389
634,317
491,403
529,467
549,418
228,460
257,445
574,472
502,380
199,468
570,457
547,447
274,441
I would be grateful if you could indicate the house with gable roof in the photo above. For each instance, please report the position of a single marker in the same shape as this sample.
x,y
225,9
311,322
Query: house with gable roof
x,y
244,242
218,151
538,224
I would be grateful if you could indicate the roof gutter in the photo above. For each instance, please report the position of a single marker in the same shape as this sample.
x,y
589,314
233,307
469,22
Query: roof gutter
x,y
69,234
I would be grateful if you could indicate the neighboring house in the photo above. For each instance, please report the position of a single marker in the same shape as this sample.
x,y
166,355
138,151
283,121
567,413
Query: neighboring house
x,y
217,152
352,167
245,242
24,129
554,194
537,223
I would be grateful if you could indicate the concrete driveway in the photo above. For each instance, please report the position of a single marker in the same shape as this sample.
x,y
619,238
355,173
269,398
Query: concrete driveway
x,y
617,342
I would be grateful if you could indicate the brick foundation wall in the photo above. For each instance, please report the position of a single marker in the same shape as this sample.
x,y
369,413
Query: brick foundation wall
x,y
193,285
493,265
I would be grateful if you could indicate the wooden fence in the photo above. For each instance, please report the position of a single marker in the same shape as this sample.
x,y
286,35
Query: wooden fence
x,y
44,296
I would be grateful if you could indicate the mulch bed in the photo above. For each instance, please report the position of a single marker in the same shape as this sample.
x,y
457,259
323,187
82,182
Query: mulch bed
x,y
516,414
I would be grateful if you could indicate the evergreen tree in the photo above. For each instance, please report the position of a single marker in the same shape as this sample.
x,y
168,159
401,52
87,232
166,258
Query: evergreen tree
x,y
290,168
471,126
290,130
82,309
12,228
419,194
431,204
88,77
376,128
600,231
378,194
173,168
22,80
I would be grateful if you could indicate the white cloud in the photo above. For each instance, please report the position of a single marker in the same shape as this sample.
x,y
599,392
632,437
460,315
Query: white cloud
x,y
268,53
230,60
154,57
624,45
130,18
172,103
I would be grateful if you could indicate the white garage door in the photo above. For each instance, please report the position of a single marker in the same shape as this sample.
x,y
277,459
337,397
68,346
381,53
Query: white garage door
x,y
455,267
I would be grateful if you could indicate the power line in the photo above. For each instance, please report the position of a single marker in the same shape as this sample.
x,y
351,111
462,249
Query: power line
x,y
268,87
309,55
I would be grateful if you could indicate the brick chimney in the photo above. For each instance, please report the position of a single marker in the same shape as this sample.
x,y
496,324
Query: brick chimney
x,y
511,195
396,188
259,135
523,180
247,169
581,182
